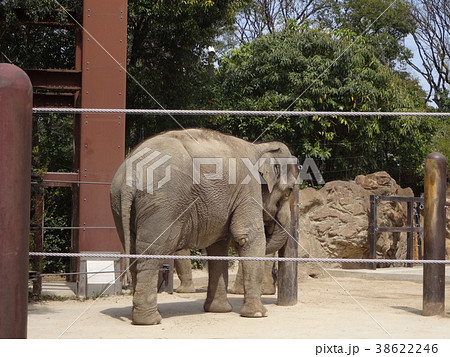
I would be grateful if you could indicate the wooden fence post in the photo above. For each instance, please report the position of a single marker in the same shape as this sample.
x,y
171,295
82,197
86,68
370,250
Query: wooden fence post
x,y
434,235
287,271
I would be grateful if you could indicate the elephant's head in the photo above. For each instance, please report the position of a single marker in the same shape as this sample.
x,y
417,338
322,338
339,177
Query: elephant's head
x,y
279,172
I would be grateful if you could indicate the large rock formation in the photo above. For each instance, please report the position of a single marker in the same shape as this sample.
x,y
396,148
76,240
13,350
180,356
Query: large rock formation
x,y
334,220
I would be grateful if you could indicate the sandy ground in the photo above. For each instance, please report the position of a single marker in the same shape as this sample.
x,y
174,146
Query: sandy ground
x,y
328,308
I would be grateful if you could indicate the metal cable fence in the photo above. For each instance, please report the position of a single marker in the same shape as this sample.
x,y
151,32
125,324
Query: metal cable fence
x,y
234,258
233,112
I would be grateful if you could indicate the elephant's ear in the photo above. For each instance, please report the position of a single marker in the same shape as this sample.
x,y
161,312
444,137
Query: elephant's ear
x,y
270,173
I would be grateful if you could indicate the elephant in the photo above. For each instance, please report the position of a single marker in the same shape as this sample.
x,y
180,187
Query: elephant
x,y
196,189
184,272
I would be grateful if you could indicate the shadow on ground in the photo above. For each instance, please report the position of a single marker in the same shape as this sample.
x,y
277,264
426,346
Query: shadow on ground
x,y
412,310
181,308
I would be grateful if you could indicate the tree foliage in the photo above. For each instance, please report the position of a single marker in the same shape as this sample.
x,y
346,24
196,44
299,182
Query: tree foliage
x,y
432,38
168,57
29,46
309,69
441,140
384,24
259,17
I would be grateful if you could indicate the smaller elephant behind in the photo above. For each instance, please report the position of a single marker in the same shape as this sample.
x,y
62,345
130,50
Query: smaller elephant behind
x,y
269,286
184,272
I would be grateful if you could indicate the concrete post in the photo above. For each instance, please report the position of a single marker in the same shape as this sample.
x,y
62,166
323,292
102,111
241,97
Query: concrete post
x,y
434,235
16,99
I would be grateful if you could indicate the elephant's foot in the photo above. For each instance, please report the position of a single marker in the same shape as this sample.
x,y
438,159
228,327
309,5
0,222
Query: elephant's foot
x,y
145,317
217,306
186,288
253,308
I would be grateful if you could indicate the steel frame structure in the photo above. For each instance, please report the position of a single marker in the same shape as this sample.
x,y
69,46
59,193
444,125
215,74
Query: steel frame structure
x,y
98,80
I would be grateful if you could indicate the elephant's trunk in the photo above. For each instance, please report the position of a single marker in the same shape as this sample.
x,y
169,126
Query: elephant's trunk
x,y
277,239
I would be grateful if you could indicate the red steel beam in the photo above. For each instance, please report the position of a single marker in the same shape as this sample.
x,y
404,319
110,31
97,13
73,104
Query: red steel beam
x,y
102,136
55,79
55,87
54,99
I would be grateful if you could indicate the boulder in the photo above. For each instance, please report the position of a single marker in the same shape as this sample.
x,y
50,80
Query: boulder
x,y
381,183
334,220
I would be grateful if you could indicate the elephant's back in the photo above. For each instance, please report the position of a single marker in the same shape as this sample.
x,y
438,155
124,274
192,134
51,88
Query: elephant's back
x,y
197,143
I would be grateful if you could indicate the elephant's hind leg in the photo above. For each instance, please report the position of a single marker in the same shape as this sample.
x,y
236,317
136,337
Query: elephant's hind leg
x,y
216,299
150,241
145,311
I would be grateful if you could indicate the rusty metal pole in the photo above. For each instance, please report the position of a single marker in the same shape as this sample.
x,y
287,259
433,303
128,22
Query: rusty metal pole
x,y
288,271
434,232
16,100
373,233
410,234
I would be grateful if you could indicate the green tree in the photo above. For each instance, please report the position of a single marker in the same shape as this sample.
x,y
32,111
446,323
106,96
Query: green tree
x,y
256,18
169,57
306,69
432,39
384,24
441,140
30,46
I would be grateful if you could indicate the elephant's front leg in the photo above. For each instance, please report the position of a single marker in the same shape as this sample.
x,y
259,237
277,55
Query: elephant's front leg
x,y
253,273
145,276
216,299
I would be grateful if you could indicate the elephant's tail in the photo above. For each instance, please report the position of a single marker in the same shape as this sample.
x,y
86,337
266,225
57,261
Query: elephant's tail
x,y
126,202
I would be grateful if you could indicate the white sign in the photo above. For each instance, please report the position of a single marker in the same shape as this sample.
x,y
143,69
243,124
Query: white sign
x,y
100,271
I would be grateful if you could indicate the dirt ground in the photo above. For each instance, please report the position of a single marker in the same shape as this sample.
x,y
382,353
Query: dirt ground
x,y
328,308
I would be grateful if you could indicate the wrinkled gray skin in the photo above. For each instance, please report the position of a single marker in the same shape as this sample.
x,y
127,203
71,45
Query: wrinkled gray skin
x,y
213,214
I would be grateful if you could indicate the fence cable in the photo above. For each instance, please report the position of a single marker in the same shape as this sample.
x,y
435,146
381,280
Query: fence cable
x,y
232,112
267,259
